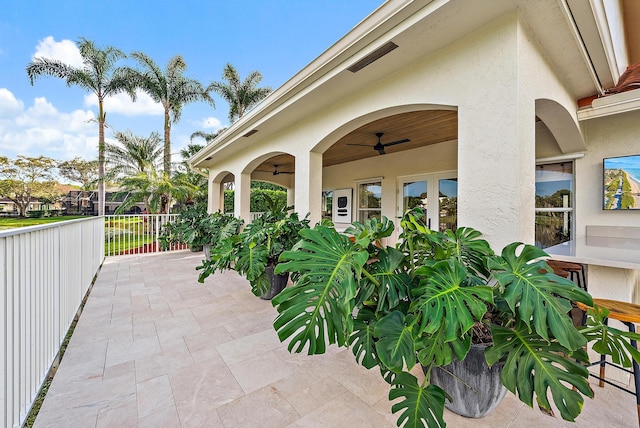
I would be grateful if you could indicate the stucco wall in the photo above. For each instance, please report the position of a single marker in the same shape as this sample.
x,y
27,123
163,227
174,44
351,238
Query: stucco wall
x,y
492,77
606,137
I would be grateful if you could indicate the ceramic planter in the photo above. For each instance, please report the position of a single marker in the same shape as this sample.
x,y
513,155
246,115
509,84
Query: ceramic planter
x,y
474,387
278,283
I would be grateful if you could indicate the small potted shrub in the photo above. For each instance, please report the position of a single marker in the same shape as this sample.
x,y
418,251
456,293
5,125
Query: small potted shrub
x,y
426,301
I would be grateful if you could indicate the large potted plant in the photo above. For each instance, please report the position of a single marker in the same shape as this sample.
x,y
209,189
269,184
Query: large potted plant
x,y
198,229
254,252
185,229
423,301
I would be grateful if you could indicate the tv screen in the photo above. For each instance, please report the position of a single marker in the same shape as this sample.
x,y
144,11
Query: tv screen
x,y
622,183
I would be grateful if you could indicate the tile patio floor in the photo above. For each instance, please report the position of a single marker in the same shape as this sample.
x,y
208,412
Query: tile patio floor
x,y
154,348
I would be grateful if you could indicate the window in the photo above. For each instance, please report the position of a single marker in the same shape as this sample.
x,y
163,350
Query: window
x,y
327,205
554,203
369,200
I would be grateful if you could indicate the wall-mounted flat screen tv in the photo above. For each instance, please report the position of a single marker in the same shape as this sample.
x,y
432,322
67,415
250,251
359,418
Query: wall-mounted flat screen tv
x,y
622,183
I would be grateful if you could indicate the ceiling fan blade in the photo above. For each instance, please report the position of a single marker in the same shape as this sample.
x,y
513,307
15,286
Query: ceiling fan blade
x,y
361,145
393,143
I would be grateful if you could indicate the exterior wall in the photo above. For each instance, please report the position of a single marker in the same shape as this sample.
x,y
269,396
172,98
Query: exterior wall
x,y
606,137
492,77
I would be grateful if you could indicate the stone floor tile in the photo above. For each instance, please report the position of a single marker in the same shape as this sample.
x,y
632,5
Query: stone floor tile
x,y
205,385
120,351
168,360
260,371
266,408
247,347
154,395
123,417
162,418
344,411
202,344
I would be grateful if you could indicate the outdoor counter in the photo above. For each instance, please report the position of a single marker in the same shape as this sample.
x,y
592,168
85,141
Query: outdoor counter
x,y
613,265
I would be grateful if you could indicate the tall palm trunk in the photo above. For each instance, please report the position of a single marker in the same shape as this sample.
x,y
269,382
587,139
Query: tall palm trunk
x,y
101,190
167,158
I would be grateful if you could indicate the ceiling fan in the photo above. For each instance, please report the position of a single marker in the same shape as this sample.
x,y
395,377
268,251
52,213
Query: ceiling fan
x,y
379,147
276,171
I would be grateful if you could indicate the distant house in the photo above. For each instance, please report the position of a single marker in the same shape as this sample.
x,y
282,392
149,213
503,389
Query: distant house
x,y
8,207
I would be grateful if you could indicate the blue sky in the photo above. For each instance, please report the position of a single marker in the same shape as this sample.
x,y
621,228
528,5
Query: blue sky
x,y
276,37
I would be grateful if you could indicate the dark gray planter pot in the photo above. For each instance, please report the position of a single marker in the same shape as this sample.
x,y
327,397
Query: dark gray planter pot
x,y
474,387
278,283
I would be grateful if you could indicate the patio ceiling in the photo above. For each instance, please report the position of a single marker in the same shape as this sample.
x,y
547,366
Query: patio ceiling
x,y
423,128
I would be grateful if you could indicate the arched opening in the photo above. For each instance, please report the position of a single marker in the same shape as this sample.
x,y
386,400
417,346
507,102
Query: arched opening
x,y
557,137
392,160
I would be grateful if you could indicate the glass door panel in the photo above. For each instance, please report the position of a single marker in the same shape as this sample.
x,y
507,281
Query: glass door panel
x,y
414,194
440,213
448,201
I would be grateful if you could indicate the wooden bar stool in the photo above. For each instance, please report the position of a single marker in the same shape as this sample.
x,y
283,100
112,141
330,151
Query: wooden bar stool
x,y
629,315
576,271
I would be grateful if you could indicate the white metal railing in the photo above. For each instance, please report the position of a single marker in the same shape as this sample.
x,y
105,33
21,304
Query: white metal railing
x,y
136,234
46,272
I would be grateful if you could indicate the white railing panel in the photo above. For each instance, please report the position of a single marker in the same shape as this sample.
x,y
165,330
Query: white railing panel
x,y
136,233
46,272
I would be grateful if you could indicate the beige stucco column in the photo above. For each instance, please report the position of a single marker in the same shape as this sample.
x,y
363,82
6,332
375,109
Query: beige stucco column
x,y
308,186
214,200
291,196
242,197
496,166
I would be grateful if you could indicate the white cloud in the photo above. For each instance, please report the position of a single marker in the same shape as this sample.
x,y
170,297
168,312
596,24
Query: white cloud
x,y
43,130
9,105
211,123
65,51
121,103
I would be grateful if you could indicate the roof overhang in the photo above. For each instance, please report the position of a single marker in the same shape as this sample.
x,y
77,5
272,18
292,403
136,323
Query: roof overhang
x,y
418,28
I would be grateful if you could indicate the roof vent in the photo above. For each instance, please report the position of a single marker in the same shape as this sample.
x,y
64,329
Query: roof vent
x,y
250,133
373,56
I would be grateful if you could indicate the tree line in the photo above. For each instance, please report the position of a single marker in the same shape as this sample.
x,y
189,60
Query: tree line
x,y
134,164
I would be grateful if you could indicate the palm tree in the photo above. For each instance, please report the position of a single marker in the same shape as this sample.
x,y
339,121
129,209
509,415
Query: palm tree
x,y
98,75
134,154
152,187
191,178
207,136
170,88
240,95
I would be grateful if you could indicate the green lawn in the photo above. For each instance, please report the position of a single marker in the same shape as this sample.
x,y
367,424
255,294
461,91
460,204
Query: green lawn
x,y
13,222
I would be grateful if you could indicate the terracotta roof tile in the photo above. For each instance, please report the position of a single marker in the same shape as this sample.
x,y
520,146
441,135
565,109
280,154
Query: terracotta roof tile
x,y
628,81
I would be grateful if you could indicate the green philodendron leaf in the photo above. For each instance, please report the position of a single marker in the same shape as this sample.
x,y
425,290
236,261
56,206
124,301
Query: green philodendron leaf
x,y
444,302
420,406
608,340
395,347
536,295
362,341
394,283
469,248
252,259
318,308
434,351
260,285
535,366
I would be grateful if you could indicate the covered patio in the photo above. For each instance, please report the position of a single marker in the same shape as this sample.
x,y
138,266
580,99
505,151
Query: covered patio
x,y
153,347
